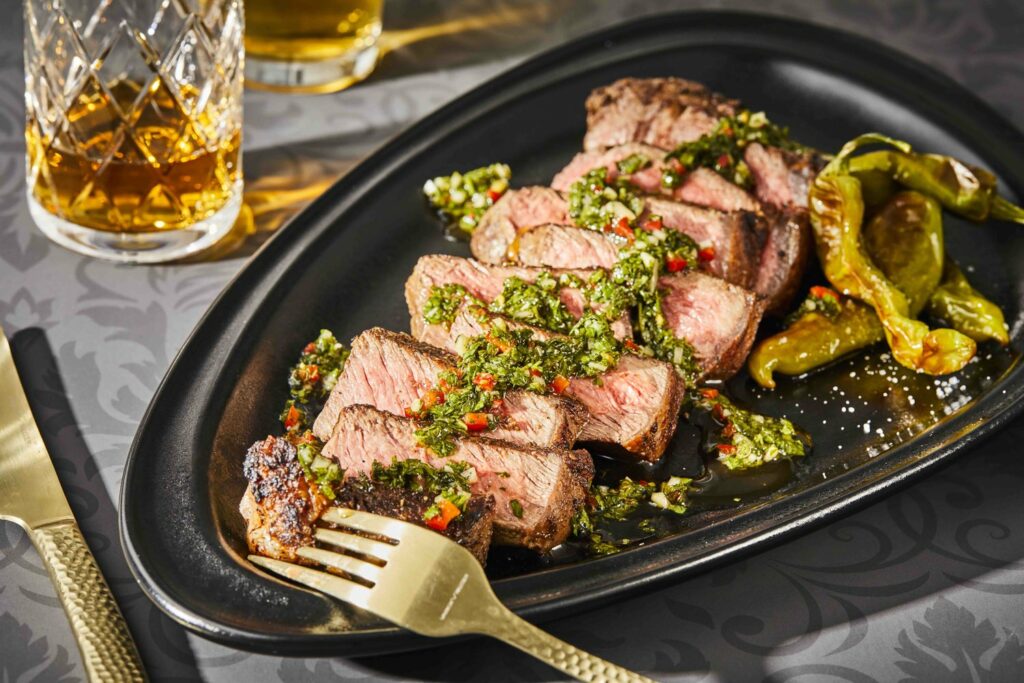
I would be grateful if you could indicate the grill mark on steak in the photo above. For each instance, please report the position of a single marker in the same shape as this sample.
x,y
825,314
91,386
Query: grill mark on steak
x,y
391,370
785,255
280,508
485,282
701,186
719,319
634,409
657,111
519,237
548,483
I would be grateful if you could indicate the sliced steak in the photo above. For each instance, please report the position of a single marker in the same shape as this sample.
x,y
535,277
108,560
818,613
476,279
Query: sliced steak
x,y
784,257
517,209
486,283
702,186
391,370
548,484
280,508
633,409
719,319
658,111
564,246
782,177
734,236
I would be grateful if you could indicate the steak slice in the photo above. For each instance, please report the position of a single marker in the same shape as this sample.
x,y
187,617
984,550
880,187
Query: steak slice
x,y
782,177
280,508
658,111
734,236
634,408
486,283
548,484
391,370
701,186
564,246
719,319
514,211
786,252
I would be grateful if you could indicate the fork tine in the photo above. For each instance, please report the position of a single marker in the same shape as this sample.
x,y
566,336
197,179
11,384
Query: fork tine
x,y
359,544
365,521
340,588
346,563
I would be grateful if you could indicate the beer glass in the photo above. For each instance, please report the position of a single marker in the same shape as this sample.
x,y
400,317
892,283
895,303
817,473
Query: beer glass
x,y
134,124
311,46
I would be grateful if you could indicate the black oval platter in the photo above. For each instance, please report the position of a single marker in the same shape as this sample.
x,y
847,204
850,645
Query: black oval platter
x,y
342,263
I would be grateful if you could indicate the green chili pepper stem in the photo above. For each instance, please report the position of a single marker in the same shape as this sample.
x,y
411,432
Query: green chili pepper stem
x,y
1004,210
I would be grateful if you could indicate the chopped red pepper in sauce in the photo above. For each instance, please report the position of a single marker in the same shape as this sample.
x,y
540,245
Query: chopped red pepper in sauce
x,y
559,384
475,422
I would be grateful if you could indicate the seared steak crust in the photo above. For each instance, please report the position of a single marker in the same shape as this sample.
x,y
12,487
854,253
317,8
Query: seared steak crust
x,y
473,529
280,508
634,408
391,370
546,483
782,177
784,257
657,111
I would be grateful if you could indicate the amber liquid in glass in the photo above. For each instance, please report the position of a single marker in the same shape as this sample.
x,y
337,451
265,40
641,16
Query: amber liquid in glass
x,y
163,172
310,30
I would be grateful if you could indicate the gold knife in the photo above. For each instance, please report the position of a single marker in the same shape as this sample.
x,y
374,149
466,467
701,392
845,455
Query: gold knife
x,y
31,496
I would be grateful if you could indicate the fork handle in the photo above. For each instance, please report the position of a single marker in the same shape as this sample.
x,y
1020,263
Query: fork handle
x,y
108,652
559,654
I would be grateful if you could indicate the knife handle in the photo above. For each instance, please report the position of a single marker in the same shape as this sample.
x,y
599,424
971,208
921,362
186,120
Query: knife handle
x,y
108,652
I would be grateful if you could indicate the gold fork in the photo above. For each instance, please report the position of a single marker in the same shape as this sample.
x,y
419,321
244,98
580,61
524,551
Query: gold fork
x,y
430,585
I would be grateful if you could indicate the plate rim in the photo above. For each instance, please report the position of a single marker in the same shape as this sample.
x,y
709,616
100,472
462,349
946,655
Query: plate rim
x,y
928,452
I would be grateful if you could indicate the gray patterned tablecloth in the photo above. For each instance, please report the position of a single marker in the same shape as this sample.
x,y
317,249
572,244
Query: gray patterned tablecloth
x,y
927,585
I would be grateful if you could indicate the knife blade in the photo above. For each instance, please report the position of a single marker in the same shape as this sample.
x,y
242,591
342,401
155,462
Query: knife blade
x,y
31,495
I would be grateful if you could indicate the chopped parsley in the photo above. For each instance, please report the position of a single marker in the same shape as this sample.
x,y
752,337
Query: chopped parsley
x,y
506,359
516,508
444,303
722,150
324,472
595,203
616,504
536,303
311,380
632,164
450,485
746,439
461,199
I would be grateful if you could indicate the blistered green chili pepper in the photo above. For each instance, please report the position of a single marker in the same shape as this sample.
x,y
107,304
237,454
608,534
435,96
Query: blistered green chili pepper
x,y
904,239
813,340
965,190
966,309
837,212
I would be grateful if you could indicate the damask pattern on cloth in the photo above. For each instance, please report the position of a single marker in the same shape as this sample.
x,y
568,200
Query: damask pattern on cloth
x,y
924,586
